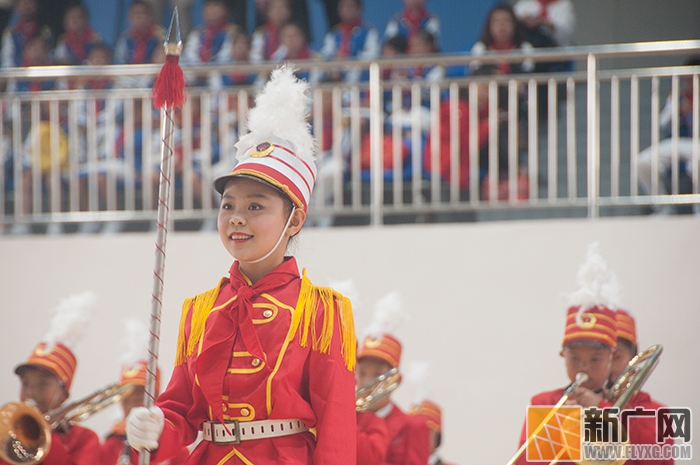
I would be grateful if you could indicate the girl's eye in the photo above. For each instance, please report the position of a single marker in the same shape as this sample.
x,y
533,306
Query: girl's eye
x,y
254,206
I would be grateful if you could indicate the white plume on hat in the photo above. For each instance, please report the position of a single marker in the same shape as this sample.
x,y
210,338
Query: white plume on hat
x,y
70,320
415,378
281,111
598,284
388,315
136,340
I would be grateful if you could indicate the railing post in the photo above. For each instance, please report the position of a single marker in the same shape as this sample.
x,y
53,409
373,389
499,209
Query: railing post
x,y
593,148
375,134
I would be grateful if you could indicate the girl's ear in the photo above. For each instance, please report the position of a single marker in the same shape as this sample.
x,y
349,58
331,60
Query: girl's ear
x,y
297,221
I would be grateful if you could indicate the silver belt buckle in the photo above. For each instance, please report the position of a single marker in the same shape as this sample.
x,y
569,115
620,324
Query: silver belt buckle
x,y
234,439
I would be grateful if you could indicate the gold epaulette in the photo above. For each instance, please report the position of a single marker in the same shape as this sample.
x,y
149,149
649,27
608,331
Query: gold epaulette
x,y
313,299
201,305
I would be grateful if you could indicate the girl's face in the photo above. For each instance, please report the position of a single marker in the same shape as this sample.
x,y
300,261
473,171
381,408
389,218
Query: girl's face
x,y
293,38
241,49
348,11
75,20
252,217
140,18
413,4
214,13
418,46
502,27
278,12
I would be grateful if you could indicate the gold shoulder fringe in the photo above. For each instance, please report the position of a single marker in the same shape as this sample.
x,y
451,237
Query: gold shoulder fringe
x,y
313,299
200,305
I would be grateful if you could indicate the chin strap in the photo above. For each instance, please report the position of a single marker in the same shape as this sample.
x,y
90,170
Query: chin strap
x,y
279,241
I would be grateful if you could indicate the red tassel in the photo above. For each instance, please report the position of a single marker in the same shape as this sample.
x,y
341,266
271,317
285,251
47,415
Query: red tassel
x,y
169,87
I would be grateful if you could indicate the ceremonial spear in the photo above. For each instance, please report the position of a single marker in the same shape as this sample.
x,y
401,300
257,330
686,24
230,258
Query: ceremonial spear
x,y
168,94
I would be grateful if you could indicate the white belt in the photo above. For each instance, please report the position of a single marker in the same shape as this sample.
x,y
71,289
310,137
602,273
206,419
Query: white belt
x,y
238,431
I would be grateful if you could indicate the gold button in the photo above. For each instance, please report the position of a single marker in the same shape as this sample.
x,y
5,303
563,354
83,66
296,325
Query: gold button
x,y
255,362
267,313
224,407
245,412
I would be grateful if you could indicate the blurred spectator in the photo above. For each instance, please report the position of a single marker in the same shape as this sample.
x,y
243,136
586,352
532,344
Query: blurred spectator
x,y
394,47
74,45
36,52
52,12
463,137
211,42
294,45
351,38
299,13
548,22
502,32
665,148
5,13
266,38
240,53
413,18
25,27
137,44
424,44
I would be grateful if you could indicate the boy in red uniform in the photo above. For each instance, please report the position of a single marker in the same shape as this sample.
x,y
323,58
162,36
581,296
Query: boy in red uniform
x,y
409,442
265,360
641,431
430,413
115,449
589,344
46,379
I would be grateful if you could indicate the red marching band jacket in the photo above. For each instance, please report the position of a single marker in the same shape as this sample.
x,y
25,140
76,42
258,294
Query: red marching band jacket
x,y
302,367
409,439
641,430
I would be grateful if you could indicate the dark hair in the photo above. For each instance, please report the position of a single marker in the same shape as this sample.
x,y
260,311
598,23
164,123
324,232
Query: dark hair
x,y
78,6
298,26
429,38
398,42
357,2
486,36
438,439
143,3
587,343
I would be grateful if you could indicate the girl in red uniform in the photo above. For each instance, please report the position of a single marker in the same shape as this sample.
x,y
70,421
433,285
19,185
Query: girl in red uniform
x,y
265,359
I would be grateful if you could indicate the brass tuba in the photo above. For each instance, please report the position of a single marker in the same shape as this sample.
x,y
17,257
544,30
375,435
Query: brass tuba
x,y
25,433
628,384
381,386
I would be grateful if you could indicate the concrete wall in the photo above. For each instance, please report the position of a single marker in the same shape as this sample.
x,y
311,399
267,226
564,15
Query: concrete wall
x,y
484,305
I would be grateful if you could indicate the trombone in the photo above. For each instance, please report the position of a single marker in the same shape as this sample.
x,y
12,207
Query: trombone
x,y
25,433
628,384
368,395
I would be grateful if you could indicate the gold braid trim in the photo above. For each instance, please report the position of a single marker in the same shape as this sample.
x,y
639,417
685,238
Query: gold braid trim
x,y
313,299
201,305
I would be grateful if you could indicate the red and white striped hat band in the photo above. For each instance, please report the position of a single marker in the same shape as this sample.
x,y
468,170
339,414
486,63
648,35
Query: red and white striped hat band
x,y
274,161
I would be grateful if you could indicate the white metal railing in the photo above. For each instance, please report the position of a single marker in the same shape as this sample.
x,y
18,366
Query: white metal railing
x,y
389,146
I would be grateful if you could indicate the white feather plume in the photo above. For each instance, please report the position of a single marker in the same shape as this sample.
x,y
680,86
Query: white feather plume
x,y
136,340
281,111
598,284
388,315
415,378
70,320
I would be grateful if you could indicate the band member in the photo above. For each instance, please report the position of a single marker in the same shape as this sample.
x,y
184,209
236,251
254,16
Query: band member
x,y
408,437
115,449
265,360
46,378
430,413
643,432
589,345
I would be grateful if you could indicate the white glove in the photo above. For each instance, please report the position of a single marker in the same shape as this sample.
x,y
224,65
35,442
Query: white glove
x,y
143,427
